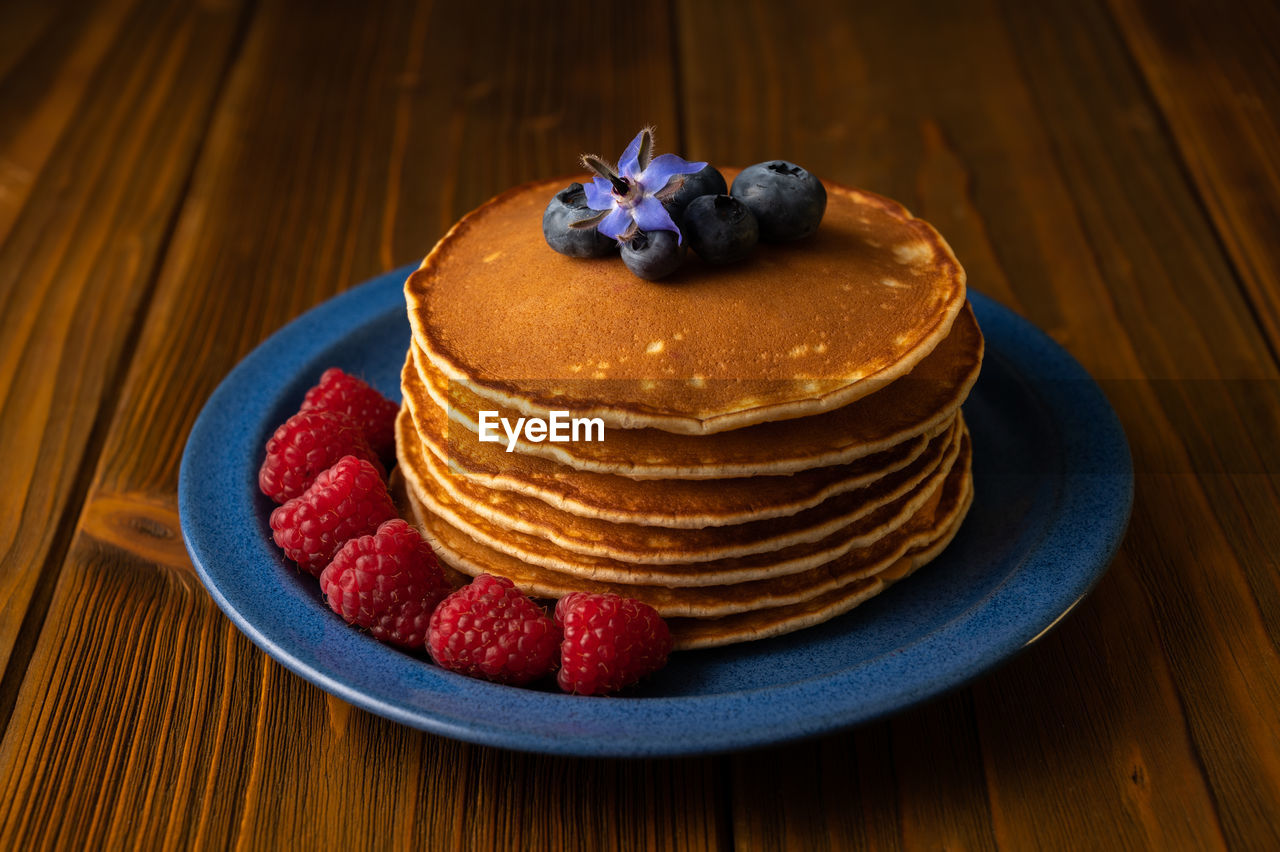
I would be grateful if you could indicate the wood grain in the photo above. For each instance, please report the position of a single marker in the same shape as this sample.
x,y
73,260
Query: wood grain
x,y
102,112
345,143
1217,79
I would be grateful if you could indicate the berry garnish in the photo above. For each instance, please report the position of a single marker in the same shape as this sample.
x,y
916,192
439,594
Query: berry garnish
x,y
653,254
349,499
720,228
307,444
559,225
787,200
388,582
709,181
610,642
372,412
489,629
630,198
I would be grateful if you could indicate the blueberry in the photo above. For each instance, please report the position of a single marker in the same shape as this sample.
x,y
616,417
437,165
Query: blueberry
x,y
706,182
720,228
787,200
567,206
653,254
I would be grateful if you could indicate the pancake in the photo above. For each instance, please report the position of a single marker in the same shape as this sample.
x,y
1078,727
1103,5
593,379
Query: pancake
x,y
930,522
796,558
677,504
916,404
633,543
801,329
783,436
692,633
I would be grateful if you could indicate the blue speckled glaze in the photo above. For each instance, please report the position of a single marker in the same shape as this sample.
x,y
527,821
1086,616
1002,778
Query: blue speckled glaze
x,y
1053,485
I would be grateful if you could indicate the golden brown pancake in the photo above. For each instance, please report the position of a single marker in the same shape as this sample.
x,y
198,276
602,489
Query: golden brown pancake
x,y
802,328
791,559
916,404
674,503
647,545
931,521
691,633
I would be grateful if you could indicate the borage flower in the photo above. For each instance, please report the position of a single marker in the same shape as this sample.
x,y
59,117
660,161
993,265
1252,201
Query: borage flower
x,y
632,201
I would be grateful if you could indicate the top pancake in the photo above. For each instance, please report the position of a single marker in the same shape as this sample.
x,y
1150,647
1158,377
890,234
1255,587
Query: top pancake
x,y
918,403
795,330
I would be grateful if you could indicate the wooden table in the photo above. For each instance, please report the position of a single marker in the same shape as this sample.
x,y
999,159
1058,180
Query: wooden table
x,y
178,180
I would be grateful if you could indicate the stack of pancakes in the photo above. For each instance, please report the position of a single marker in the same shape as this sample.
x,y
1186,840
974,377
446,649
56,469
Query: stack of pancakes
x,y
782,437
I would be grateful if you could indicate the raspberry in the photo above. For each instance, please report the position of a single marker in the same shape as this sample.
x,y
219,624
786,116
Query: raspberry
x,y
347,500
306,444
388,582
489,629
372,412
609,642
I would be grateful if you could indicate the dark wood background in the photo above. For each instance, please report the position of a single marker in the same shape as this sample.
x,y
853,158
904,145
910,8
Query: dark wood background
x,y
178,180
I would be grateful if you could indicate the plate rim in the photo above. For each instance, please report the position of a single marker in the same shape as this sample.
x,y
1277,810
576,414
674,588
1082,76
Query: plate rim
x,y
738,725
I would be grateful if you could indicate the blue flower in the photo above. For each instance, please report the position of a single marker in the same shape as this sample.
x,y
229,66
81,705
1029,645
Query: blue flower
x,y
632,200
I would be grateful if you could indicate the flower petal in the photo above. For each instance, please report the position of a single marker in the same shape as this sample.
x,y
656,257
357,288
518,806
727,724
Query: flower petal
x,y
650,215
629,163
599,194
615,223
663,168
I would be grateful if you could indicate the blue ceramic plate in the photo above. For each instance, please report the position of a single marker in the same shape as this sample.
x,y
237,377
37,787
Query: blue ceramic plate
x,y
1053,481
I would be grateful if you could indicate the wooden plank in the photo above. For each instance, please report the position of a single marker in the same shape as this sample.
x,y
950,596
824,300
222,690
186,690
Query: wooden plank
x,y
102,110
1025,136
1209,523
48,56
345,144
833,789
1216,74
915,781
